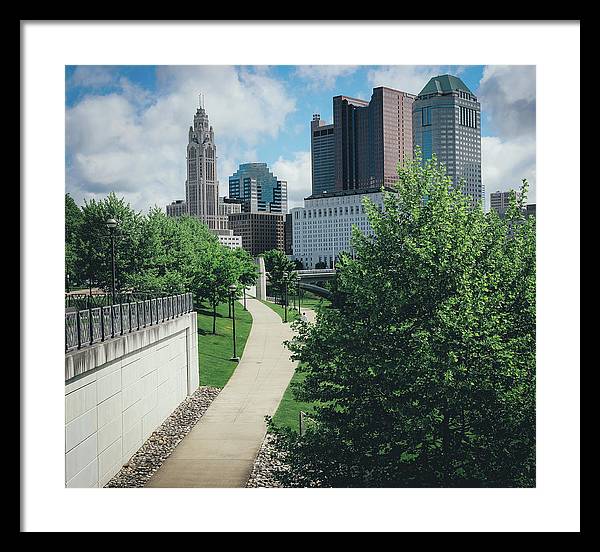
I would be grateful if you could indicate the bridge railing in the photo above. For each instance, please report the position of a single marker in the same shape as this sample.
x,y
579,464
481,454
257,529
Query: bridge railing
x,y
317,271
86,327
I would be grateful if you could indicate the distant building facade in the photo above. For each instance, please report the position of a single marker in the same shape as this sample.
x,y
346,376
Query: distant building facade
x,y
500,201
322,155
177,208
229,239
288,234
201,185
322,229
259,189
371,138
447,123
228,206
259,232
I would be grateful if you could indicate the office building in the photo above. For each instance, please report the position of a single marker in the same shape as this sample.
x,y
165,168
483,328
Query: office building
x,y
260,232
500,201
287,234
177,208
322,155
259,189
322,229
371,138
201,185
447,123
229,239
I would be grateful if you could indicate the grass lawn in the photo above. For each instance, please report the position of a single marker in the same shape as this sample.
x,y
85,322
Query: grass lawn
x,y
310,301
292,314
289,408
214,351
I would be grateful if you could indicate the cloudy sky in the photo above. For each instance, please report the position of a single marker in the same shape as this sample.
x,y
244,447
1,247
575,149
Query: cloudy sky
x,y
126,126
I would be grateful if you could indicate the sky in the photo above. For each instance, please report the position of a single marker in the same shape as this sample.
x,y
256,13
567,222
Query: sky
x,y
127,126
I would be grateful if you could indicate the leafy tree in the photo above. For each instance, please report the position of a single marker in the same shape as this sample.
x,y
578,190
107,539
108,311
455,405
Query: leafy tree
x,y
94,244
424,373
320,265
73,220
172,249
215,274
281,271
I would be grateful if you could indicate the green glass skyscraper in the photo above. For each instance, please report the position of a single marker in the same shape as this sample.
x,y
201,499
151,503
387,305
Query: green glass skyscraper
x,y
447,123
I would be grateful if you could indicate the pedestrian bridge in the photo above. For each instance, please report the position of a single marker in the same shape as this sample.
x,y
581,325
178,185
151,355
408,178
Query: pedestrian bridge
x,y
307,279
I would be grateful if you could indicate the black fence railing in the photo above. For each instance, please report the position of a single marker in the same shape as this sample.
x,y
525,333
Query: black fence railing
x,y
85,301
88,326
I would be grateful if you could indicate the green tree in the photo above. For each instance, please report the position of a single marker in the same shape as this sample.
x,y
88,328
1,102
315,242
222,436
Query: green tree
x,y
73,221
424,373
216,272
281,271
94,244
172,250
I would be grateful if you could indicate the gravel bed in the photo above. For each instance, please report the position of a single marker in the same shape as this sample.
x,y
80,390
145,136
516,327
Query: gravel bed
x,y
162,442
269,461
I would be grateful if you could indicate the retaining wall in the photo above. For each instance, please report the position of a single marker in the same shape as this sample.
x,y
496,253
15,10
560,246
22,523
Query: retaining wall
x,y
119,391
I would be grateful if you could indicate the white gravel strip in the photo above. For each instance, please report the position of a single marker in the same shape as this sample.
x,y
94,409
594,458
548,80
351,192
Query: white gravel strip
x,y
162,442
269,461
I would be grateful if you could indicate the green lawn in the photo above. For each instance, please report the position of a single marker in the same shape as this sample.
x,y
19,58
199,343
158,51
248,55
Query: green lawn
x,y
289,408
310,301
214,351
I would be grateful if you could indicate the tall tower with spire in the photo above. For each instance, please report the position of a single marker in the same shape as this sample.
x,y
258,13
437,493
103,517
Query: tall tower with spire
x,y
201,185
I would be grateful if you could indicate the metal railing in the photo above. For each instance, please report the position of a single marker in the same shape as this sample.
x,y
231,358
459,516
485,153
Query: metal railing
x,y
86,301
88,326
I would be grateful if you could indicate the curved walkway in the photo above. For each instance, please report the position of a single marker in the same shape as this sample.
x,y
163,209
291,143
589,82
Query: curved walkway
x,y
221,448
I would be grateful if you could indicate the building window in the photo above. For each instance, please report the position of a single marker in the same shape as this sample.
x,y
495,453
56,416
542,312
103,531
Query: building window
x,y
426,116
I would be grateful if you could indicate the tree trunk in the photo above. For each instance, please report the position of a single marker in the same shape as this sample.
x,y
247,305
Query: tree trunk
x,y
214,318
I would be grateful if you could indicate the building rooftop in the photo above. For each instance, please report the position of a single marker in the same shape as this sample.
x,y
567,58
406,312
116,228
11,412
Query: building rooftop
x,y
443,84
356,191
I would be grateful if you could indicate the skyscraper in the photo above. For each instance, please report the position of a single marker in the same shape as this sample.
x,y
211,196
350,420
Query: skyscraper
x,y
447,123
201,185
322,150
371,138
259,189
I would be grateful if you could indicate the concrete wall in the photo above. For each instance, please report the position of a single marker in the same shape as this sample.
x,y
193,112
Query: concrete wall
x,y
118,392
261,283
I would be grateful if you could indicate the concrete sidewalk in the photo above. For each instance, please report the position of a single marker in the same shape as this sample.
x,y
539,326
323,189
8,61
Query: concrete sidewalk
x,y
221,448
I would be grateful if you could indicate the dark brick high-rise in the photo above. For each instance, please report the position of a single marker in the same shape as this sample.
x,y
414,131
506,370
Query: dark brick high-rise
x,y
371,138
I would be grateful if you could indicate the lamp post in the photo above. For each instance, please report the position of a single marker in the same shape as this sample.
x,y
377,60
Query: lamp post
x,y
232,290
111,224
285,297
245,298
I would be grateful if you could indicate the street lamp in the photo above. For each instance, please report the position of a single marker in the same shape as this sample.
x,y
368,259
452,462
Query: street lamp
x,y
111,224
245,298
299,307
232,290
285,297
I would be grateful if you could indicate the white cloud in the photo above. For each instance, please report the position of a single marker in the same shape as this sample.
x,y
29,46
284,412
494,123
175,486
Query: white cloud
x,y
324,76
297,173
505,163
508,99
91,76
408,78
125,143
